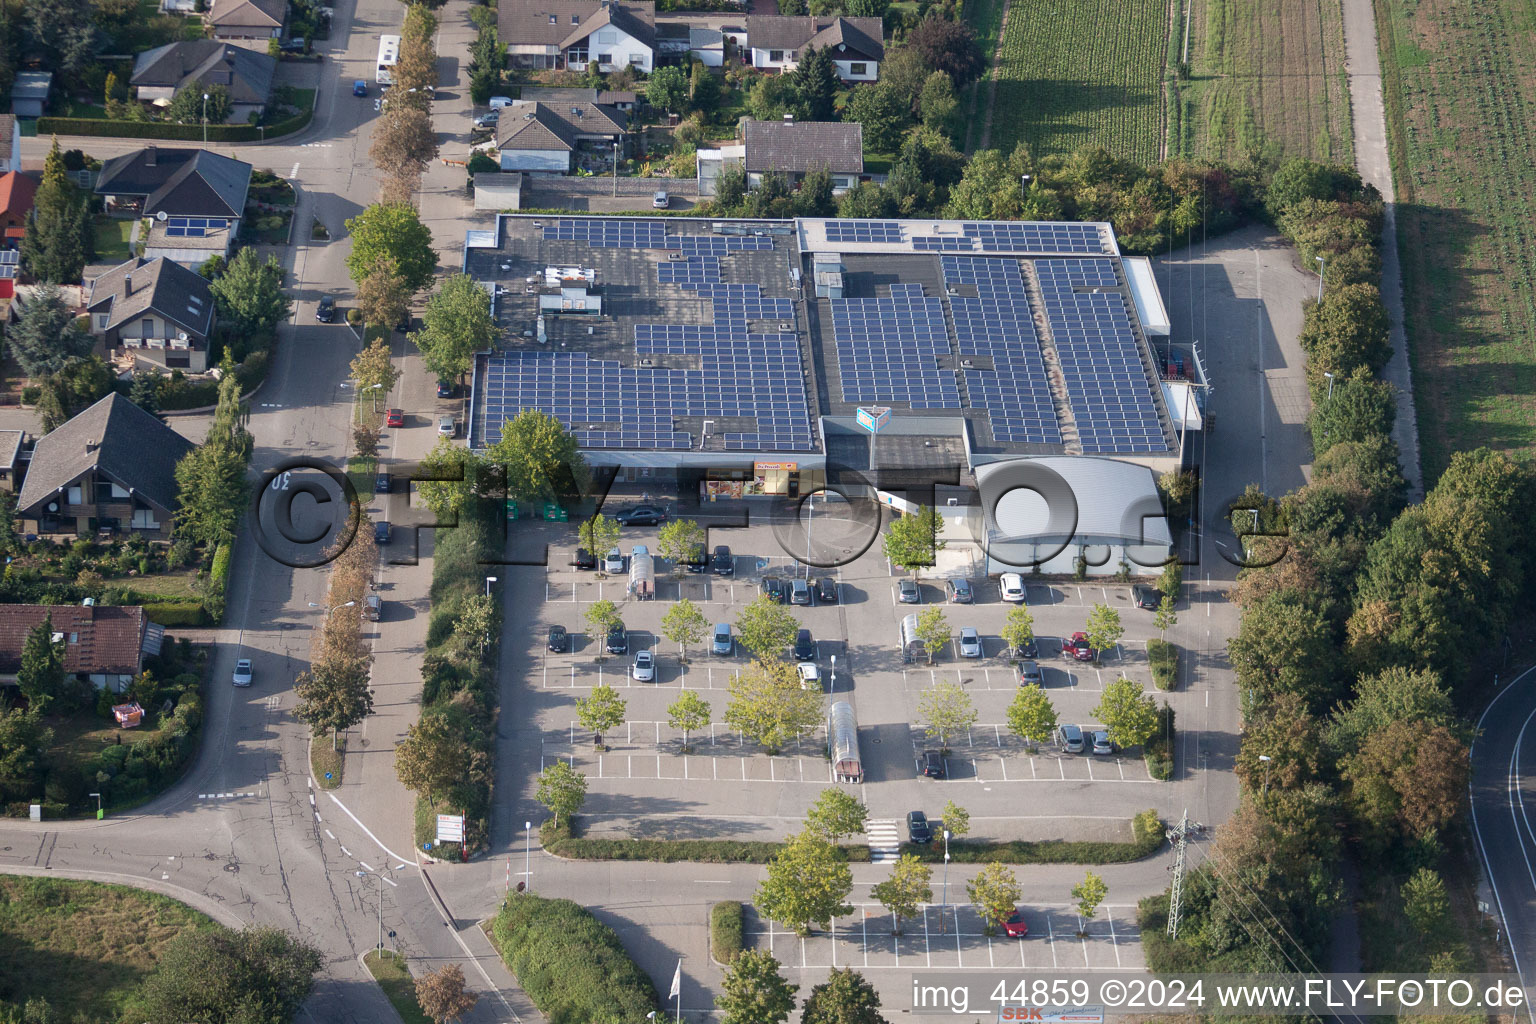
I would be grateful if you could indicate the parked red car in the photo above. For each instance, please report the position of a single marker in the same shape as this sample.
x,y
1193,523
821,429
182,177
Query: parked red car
x,y
1078,647
395,418
1015,926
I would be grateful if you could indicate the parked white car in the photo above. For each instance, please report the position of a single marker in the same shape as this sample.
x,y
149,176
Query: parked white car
x,y
243,672
1012,585
644,669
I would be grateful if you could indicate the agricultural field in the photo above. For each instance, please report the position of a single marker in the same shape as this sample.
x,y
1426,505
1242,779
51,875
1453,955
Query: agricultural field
x,y
1263,81
1077,73
1458,82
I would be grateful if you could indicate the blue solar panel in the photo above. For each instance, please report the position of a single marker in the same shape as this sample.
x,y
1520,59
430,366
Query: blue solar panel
x,y
632,233
883,231
936,244
1108,385
887,349
9,257
998,324
1037,237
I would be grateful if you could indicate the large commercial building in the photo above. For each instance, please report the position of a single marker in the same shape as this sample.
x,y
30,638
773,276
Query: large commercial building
x,y
743,352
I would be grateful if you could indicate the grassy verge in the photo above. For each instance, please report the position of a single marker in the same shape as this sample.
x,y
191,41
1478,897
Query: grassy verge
x,y
1165,663
394,977
1145,826
361,472
323,759
725,928
569,963
986,19
85,947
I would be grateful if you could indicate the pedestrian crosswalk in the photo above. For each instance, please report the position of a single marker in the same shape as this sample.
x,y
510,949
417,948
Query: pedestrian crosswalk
x,y
884,840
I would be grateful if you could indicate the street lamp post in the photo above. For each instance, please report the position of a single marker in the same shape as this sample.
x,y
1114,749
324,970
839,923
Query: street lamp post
x,y
374,388
528,856
1265,759
1322,273
945,905
360,874
1330,384
488,581
205,120
98,795
349,604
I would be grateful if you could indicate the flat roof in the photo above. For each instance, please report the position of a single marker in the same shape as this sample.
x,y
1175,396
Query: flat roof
x,y
711,338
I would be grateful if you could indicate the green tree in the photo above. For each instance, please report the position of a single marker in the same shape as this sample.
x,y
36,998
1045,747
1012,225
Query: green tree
x,y
1089,893
1171,579
1018,628
382,295
703,88
393,231
690,713
64,31
835,814
1360,407
948,45
844,998
540,458
562,790
455,325
454,470
815,78
145,392
945,710
956,819
807,883
403,138
256,975
988,190
684,624
912,542
679,540
766,628
1285,646
189,107
1347,329
769,706
882,113
212,491
932,630
904,893
47,335
600,711
433,757
373,369
937,101
1104,628
1165,618
994,893
601,616
1128,713
753,991
475,628
730,189
668,90
1425,902
57,241
249,295
1407,781
333,695
599,535
1030,715
23,743
40,677
1396,694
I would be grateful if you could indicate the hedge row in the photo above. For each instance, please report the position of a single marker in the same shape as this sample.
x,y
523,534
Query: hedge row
x,y
1146,827
177,613
725,930
1158,751
106,127
571,964
1164,658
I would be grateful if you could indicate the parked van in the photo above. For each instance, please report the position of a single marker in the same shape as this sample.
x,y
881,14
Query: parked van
x,y
497,102
723,642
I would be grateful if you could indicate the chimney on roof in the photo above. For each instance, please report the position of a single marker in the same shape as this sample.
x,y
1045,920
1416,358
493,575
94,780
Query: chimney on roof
x,y
128,284
789,118
91,445
149,156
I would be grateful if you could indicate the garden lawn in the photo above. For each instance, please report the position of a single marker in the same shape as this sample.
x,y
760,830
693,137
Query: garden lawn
x,y
1077,73
84,946
394,977
112,238
1458,83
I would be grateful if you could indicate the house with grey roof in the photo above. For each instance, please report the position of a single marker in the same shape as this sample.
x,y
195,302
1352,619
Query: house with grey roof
x,y
156,310
789,148
161,73
10,457
29,93
547,138
569,33
112,467
195,199
554,96
778,41
247,22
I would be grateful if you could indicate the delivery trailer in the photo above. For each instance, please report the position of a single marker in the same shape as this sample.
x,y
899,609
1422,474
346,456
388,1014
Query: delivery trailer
x,y
642,577
843,743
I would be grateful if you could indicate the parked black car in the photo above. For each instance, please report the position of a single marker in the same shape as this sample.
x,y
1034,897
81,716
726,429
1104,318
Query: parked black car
x,y
584,559
826,590
697,560
444,388
919,828
805,647
721,563
1146,597
774,588
381,483
559,639
1030,649
642,515
933,764
618,640
381,532
326,312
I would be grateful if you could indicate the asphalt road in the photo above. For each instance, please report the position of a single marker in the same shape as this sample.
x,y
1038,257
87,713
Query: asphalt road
x,y
247,833
1503,790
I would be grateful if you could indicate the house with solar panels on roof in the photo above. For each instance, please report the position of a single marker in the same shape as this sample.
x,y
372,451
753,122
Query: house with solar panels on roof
x,y
747,356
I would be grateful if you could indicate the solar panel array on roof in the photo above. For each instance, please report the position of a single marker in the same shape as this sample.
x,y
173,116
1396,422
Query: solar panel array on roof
x,y
758,376
884,231
935,243
649,234
1038,237
9,260
887,349
1107,382
997,323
